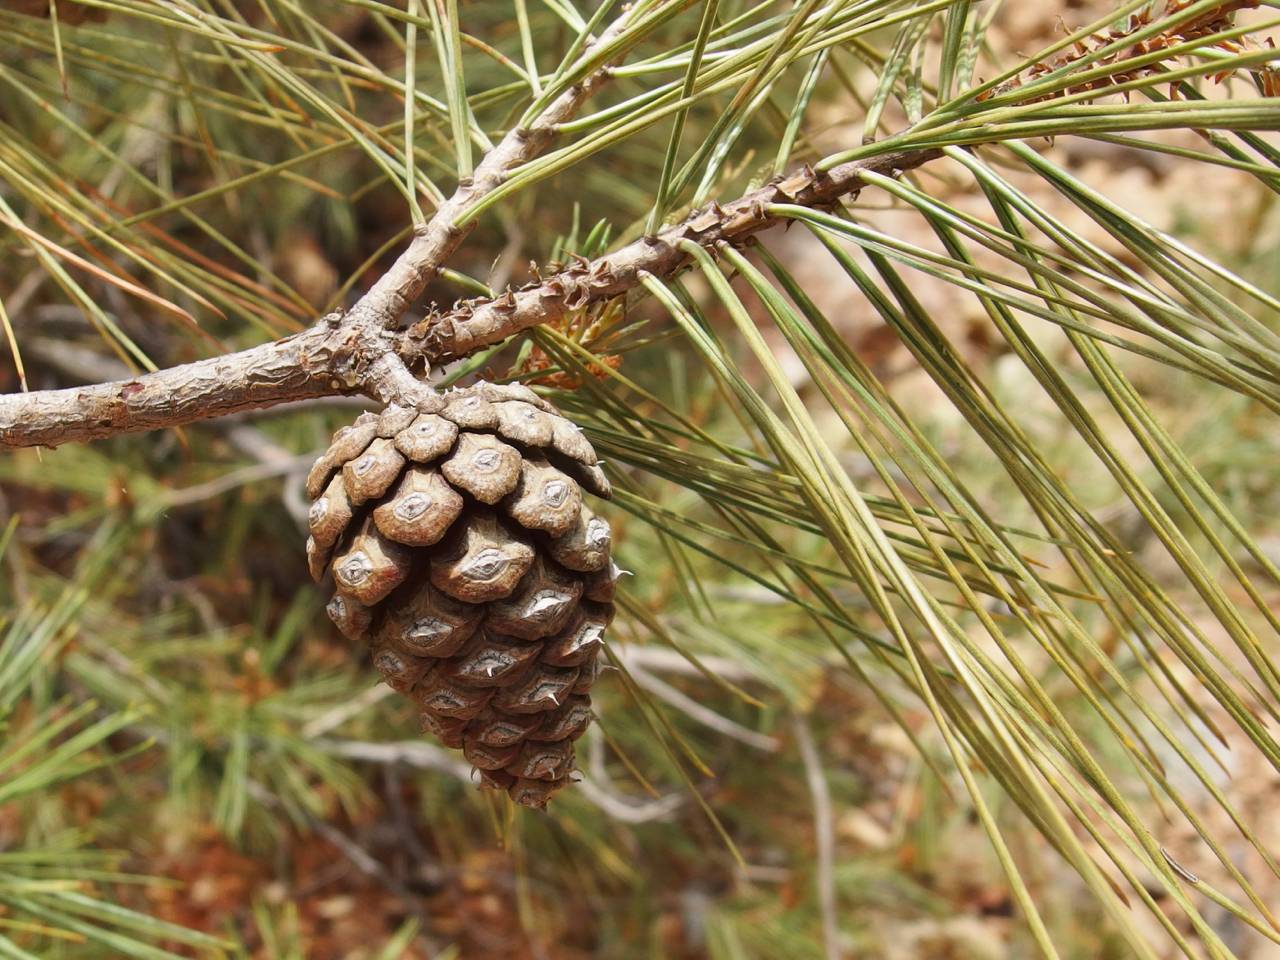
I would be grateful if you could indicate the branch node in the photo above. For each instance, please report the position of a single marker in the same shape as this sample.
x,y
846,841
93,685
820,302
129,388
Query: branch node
x,y
389,380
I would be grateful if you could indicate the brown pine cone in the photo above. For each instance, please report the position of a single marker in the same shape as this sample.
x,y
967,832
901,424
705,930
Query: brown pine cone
x,y
463,553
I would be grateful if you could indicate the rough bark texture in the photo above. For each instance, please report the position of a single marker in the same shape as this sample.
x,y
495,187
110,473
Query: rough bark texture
x,y
328,358
295,368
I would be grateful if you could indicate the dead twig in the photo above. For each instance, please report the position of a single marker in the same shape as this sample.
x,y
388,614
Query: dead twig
x,y
824,836
702,713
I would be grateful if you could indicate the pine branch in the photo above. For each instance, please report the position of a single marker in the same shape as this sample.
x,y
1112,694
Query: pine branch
x,y
478,323
341,353
295,368
338,356
406,279
360,351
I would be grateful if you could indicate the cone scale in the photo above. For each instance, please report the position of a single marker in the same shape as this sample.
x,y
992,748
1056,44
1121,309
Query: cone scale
x,y
463,552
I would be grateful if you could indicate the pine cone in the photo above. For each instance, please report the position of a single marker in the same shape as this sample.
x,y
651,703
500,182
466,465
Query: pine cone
x,y
462,552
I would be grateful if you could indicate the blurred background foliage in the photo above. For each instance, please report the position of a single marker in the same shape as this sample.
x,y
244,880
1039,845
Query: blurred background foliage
x,y
951,511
